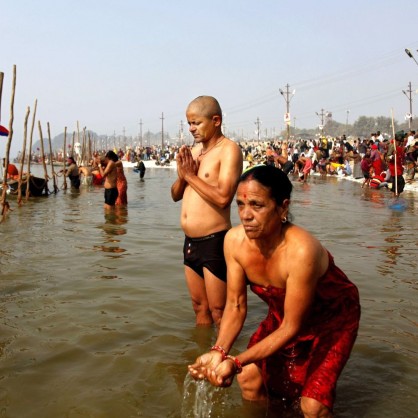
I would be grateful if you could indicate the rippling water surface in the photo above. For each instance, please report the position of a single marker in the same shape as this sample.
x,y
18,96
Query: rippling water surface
x,y
96,320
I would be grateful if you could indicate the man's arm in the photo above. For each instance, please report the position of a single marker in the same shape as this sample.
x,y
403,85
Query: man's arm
x,y
178,187
109,167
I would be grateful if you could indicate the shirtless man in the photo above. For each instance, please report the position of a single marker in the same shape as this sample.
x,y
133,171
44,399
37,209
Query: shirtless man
x,y
108,172
282,160
207,180
86,175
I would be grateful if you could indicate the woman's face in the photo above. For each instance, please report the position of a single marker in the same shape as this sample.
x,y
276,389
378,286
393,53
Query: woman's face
x,y
259,213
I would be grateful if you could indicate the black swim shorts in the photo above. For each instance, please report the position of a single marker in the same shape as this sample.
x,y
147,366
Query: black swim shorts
x,y
110,196
206,252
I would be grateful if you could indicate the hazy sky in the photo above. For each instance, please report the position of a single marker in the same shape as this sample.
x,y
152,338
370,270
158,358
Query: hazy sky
x,y
111,64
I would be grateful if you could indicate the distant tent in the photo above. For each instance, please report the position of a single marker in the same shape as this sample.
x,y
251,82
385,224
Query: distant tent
x,y
3,131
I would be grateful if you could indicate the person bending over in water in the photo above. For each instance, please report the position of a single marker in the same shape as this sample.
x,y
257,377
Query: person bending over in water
x,y
300,349
207,180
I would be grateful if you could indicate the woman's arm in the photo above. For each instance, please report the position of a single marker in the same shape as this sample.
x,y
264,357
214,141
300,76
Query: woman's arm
x,y
234,314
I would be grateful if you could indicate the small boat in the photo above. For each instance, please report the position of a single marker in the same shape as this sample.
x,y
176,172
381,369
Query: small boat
x,y
38,186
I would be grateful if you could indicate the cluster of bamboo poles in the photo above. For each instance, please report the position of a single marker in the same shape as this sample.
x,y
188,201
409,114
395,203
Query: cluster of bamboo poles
x,y
86,152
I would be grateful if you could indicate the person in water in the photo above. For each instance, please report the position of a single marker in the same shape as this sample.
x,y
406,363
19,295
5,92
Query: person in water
x,y
300,349
107,170
207,179
73,173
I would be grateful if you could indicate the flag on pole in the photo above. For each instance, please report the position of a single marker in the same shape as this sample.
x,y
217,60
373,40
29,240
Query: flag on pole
x,y
3,131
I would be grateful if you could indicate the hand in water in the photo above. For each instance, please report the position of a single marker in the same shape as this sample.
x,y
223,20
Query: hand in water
x,y
211,367
205,364
223,375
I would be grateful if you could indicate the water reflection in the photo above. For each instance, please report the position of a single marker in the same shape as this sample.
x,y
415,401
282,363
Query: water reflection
x,y
97,320
113,227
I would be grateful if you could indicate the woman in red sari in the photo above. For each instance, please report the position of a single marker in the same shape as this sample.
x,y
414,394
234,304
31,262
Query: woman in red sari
x,y
121,184
299,350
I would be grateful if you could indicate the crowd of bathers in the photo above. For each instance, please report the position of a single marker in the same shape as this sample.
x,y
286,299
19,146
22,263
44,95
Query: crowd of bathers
x,y
367,158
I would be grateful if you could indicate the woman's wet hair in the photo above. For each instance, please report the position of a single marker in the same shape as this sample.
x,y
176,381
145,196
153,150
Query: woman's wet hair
x,y
271,177
112,156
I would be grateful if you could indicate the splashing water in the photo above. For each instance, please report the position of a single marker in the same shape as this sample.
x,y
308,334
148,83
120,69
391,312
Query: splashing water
x,y
197,398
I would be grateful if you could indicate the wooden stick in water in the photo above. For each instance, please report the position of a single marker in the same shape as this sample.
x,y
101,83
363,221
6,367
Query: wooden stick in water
x,y
5,204
50,159
1,89
28,175
72,146
41,139
22,163
65,158
395,156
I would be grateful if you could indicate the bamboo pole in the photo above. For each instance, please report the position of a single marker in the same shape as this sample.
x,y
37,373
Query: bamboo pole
x,y
25,136
72,146
89,154
41,138
83,148
28,175
1,90
65,159
5,204
395,156
50,160
1,93
78,141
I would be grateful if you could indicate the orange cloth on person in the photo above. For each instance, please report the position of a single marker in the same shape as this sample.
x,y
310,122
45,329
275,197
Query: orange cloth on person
x,y
122,186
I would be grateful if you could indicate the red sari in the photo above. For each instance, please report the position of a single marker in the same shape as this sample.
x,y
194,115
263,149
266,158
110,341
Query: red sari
x,y
122,186
311,364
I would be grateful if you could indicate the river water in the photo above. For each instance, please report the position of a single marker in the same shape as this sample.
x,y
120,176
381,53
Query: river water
x,y
96,319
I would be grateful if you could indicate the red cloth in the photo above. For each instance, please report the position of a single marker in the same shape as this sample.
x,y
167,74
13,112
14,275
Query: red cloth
x,y
12,171
312,363
97,179
376,181
3,131
399,155
122,186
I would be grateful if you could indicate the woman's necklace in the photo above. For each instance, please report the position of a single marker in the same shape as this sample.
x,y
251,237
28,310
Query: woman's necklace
x,y
204,152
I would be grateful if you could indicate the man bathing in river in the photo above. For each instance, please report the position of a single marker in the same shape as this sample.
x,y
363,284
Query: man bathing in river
x,y
108,172
207,180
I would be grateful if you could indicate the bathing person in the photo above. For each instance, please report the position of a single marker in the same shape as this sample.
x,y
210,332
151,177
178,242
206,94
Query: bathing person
x,y
207,180
300,349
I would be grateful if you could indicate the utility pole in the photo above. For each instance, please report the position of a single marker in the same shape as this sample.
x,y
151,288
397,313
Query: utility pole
x,y
181,133
324,114
162,133
257,123
346,122
287,95
408,94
